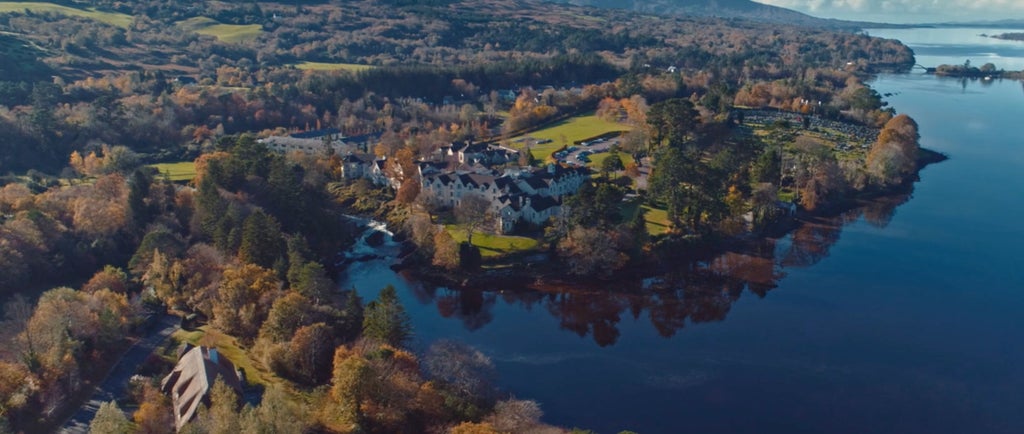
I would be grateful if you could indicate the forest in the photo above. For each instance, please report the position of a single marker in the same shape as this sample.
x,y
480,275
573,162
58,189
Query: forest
x,y
93,242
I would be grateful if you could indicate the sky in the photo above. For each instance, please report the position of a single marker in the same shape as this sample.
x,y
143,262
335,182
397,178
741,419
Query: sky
x,y
907,11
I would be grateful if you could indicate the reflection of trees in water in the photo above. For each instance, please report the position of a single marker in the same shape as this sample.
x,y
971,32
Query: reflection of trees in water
x,y
473,307
590,313
693,292
812,240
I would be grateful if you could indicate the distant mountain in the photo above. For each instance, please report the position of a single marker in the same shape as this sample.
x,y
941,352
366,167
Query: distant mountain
x,y
1006,24
745,9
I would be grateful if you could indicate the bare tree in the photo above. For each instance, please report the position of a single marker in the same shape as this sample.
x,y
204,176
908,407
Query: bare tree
x,y
473,212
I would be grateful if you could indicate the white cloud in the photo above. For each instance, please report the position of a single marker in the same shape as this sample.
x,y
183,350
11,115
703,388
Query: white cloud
x,y
916,10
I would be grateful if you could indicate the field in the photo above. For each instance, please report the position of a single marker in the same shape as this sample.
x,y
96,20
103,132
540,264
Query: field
x,y
114,19
180,171
231,33
320,66
572,130
494,245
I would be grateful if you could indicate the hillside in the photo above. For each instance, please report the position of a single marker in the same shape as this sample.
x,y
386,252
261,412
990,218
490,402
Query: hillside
x,y
745,9
197,38
181,73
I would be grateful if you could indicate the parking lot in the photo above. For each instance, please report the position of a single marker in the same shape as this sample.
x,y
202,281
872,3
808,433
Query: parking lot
x,y
579,155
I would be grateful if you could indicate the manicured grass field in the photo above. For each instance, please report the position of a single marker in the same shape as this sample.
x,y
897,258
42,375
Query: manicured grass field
x,y
226,345
572,129
321,66
180,171
231,33
112,18
493,245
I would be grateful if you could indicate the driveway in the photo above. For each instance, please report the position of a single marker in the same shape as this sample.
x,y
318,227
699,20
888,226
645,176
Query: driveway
x,y
115,385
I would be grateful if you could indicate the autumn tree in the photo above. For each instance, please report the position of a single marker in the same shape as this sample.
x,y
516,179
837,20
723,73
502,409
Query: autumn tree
x,y
591,252
286,315
446,250
893,157
154,415
15,382
408,191
277,413
350,382
311,349
243,300
223,415
817,175
385,319
110,277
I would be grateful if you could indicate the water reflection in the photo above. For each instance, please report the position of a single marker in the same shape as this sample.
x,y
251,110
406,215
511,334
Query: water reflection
x,y
690,293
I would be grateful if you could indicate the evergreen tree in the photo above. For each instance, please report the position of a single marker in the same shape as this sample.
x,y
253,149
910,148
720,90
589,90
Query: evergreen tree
x,y
386,320
110,419
262,242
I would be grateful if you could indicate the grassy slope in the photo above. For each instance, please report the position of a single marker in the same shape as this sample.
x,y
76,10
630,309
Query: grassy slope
x,y
180,171
114,19
573,129
231,33
321,66
208,336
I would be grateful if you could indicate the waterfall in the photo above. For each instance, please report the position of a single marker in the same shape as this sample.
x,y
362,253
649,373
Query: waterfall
x,y
376,242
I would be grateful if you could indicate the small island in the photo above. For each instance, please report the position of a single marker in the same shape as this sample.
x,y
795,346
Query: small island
x,y
988,71
1012,36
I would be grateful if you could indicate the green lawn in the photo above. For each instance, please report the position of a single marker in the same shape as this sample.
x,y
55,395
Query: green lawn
x,y
231,33
322,66
656,218
112,18
493,245
228,346
597,159
572,129
180,171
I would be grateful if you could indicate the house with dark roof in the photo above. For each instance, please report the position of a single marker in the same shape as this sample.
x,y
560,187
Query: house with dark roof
x,y
527,195
193,377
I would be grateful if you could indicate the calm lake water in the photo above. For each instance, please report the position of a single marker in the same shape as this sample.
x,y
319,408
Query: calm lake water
x,y
902,317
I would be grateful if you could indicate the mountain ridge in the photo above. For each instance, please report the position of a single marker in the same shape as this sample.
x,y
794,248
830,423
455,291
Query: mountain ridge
x,y
742,9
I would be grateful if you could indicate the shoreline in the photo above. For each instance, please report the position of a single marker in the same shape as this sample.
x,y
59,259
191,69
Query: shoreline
x,y
548,274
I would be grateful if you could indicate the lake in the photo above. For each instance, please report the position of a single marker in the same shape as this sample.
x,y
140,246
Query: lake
x,y
904,316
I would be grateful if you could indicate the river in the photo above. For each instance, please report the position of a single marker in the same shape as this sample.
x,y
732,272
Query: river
x,y
903,316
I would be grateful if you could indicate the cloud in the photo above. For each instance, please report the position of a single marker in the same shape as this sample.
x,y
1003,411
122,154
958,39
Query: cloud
x,y
929,8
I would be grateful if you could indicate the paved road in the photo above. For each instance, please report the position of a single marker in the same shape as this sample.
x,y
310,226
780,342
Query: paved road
x,y
116,384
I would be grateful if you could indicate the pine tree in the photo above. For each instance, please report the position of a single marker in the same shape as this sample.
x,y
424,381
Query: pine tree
x,y
262,242
110,419
386,320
